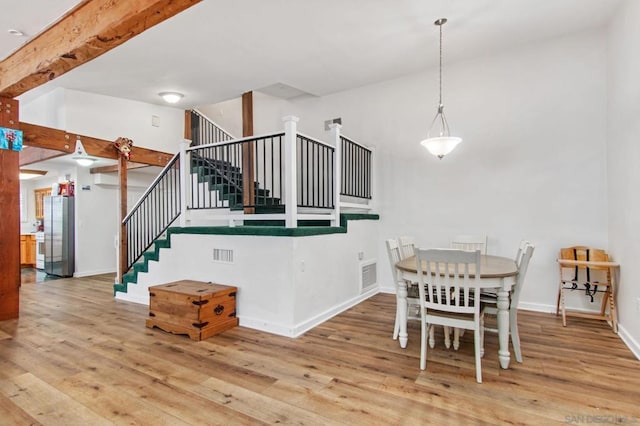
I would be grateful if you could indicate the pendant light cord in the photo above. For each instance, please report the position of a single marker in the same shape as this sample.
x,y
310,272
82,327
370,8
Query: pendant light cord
x,y
440,104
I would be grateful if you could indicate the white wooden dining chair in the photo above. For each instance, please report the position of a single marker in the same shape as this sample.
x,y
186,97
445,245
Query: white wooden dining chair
x,y
447,293
490,302
464,242
470,242
413,305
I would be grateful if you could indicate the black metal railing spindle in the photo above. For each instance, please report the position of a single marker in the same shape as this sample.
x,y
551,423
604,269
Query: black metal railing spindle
x,y
154,212
315,174
355,169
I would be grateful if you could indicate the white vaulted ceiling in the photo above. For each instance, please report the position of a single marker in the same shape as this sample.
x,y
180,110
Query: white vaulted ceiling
x,y
216,50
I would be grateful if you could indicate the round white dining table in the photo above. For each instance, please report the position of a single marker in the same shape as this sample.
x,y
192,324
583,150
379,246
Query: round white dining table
x,y
496,273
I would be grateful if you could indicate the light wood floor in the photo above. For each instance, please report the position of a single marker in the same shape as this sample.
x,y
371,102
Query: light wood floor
x,y
78,356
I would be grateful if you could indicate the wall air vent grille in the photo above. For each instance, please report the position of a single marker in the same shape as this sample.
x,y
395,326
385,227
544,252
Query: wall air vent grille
x,y
222,255
368,275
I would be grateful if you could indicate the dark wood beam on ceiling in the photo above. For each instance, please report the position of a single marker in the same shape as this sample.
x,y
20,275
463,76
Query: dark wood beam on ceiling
x,y
30,155
87,31
115,168
59,140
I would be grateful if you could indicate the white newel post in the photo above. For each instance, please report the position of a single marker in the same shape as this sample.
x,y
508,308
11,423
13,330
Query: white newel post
x,y
337,170
290,171
185,173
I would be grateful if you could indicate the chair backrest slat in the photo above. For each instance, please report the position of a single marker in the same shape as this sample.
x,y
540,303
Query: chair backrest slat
x,y
470,242
448,279
407,246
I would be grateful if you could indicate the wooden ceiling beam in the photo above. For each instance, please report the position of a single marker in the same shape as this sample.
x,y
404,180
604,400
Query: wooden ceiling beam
x,y
54,139
115,168
30,155
87,31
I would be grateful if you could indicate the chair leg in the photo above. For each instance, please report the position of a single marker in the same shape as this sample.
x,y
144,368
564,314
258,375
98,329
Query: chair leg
x,y
476,339
613,312
482,336
447,337
396,326
559,293
423,345
562,308
456,338
432,337
515,337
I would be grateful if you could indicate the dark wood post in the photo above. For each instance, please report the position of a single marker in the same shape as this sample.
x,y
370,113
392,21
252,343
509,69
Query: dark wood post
x,y
248,154
10,220
187,124
122,173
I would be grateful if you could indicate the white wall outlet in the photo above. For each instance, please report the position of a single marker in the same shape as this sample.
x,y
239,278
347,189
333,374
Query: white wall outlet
x,y
155,121
302,266
360,255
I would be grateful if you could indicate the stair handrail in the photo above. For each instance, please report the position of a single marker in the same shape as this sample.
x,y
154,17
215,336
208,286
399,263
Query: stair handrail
x,y
206,117
356,143
216,128
176,157
232,141
162,215
316,140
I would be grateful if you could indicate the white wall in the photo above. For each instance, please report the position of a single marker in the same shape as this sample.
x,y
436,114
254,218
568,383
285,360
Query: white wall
x,y
623,159
532,164
108,118
47,110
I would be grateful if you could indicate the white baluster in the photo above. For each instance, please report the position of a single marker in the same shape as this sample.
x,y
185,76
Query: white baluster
x,y
335,129
290,171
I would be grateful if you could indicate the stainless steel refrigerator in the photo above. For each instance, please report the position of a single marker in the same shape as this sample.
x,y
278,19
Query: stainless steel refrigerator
x,y
59,236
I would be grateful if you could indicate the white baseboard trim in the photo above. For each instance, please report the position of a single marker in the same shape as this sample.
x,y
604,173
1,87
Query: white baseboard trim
x,y
631,343
388,290
303,327
537,307
330,313
135,298
83,274
267,327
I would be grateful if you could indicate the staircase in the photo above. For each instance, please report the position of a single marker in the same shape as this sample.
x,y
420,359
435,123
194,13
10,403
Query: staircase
x,y
208,174
226,181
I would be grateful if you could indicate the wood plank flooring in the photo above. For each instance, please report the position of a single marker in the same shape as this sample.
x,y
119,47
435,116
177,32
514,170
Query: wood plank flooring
x,y
77,356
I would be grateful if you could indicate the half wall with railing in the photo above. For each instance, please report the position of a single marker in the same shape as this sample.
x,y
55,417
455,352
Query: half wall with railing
x,y
284,176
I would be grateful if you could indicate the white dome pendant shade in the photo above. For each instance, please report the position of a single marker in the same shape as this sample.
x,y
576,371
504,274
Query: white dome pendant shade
x,y
442,143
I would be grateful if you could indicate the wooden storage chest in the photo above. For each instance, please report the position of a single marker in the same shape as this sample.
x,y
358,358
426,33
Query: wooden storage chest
x,y
192,307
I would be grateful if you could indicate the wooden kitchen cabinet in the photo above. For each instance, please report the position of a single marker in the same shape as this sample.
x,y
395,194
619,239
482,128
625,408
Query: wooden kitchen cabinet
x,y
27,250
40,194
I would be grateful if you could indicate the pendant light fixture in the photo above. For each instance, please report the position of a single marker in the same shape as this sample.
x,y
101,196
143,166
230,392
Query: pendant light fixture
x,y
439,141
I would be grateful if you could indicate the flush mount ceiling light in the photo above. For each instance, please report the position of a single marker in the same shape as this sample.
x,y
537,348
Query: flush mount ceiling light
x,y
81,156
171,97
439,141
31,174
